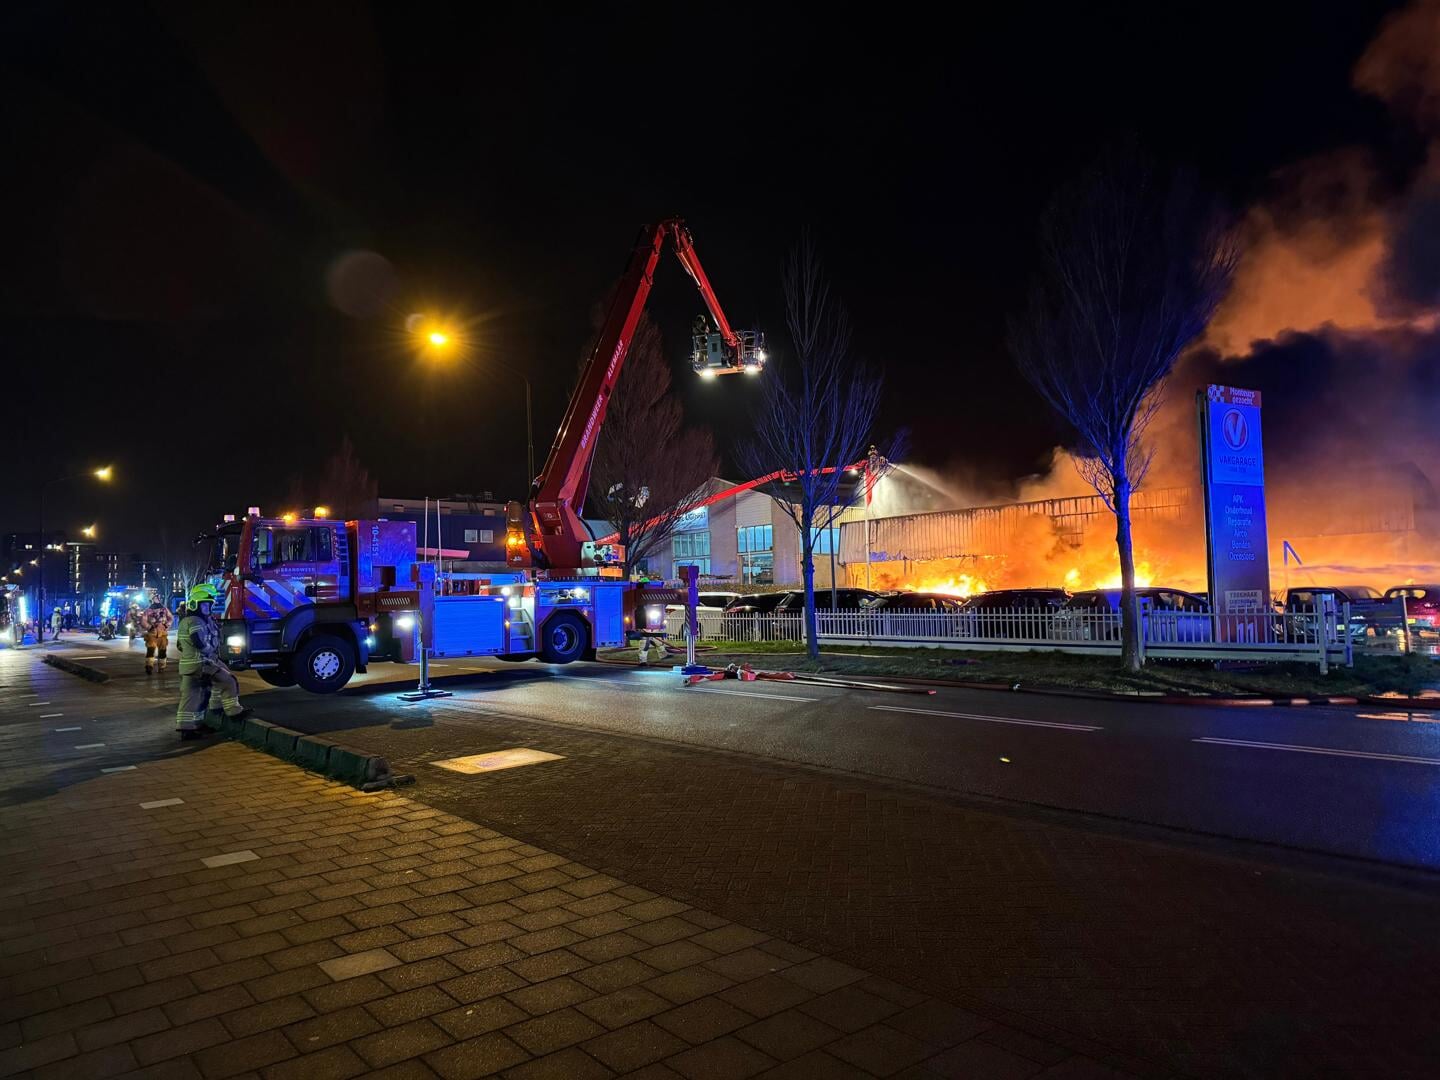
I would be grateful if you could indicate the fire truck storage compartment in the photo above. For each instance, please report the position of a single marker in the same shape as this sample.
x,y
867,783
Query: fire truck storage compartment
x,y
609,615
383,543
469,626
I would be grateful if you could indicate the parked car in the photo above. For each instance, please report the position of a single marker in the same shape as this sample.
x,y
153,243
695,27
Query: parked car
x,y
828,600
752,602
1024,614
1422,604
915,601
915,614
787,621
714,601
1367,609
1095,615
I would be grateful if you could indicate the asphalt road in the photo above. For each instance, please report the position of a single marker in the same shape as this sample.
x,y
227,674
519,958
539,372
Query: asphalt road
x,y
1359,782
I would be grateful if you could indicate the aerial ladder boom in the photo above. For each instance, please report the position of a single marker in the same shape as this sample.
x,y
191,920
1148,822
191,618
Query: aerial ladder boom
x,y
549,533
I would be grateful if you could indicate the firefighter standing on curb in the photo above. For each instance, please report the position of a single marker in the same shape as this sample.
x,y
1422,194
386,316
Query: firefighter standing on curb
x,y
156,621
198,642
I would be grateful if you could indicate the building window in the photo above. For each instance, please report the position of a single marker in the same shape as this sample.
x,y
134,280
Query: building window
x,y
487,536
758,569
756,545
755,538
824,541
690,545
702,564
472,536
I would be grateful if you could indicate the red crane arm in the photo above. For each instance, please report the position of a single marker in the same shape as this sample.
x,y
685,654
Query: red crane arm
x,y
556,531
685,251
738,489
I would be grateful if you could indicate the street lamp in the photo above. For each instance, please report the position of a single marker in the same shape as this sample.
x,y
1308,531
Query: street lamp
x,y
104,474
437,338
88,532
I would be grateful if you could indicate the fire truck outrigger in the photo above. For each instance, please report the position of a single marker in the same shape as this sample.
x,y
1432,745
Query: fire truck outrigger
x,y
309,602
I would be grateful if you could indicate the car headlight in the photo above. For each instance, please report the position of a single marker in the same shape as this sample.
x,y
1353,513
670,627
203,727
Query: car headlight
x,y
236,641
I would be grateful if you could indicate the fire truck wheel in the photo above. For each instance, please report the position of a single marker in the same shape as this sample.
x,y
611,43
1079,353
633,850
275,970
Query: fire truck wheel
x,y
323,664
564,639
276,676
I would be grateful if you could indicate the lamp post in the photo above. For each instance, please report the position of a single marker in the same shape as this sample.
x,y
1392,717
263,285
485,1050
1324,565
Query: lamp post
x,y
104,475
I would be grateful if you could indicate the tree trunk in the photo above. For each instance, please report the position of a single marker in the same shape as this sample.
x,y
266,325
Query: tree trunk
x,y
1125,545
807,568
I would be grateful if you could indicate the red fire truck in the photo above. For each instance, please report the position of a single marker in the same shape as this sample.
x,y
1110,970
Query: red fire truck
x,y
310,602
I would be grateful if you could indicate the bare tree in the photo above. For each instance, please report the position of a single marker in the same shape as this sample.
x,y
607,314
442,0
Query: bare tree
x,y
1135,263
345,487
650,469
817,416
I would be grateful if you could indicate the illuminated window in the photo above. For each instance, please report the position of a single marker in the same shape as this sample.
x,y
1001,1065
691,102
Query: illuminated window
x,y
690,545
755,538
824,541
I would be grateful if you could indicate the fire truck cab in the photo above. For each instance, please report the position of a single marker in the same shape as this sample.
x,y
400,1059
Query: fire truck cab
x,y
309,602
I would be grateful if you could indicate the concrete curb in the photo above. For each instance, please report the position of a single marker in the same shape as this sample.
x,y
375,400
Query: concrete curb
x,y
85,671
1146,696
368,772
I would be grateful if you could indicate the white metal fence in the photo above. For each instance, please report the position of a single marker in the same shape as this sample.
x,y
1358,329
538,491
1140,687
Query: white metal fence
x,y
1319,637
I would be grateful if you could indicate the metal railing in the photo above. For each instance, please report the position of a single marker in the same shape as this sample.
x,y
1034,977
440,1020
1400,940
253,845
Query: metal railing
x,y
1312,636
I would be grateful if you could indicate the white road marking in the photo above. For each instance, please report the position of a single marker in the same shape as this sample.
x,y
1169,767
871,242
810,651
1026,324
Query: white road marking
x,y
50,715
90,746
156,804
32,704
751,693
67,729
990,719
27,695
1330,751
97,656
120,768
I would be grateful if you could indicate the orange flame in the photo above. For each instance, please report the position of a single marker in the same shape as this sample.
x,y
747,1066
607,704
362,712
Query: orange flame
x,y
961,585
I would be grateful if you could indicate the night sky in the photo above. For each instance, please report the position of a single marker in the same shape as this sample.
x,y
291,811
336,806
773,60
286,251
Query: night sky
x,y
182,185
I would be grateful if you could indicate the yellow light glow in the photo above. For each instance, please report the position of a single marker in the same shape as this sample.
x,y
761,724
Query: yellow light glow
x,y
438,339
89,531
105,473
322,511
289,517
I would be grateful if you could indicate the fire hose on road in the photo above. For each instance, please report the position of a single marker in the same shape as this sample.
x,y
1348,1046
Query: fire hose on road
x,y
746,673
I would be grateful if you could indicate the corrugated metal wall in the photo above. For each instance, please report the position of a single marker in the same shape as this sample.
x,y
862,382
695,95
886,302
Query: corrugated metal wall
x,y
985,530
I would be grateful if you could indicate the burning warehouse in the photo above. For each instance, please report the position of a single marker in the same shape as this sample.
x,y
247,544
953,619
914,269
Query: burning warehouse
x,y
1367,526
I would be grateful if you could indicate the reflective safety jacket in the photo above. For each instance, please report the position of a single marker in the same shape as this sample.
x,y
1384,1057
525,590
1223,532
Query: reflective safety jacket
x,y
198,640
156,618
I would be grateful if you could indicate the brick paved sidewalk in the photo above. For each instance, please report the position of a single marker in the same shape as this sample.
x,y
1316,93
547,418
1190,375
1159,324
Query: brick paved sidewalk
x,y
224,914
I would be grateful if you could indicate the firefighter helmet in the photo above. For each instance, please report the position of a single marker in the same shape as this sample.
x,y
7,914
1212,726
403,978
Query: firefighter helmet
x,y
199,594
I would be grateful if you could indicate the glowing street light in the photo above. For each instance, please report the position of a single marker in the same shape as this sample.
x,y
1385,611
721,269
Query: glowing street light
x,y
104,473
88,532
438,338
